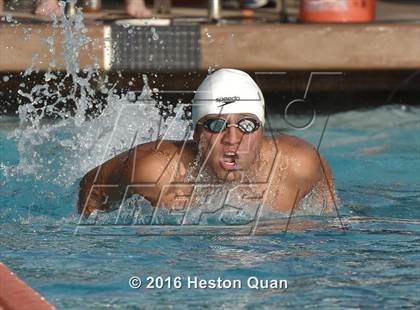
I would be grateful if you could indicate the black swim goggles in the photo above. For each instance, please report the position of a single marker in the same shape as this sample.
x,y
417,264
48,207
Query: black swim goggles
x,y
216,125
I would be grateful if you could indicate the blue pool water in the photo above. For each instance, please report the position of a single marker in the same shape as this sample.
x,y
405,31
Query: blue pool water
x,y
375,264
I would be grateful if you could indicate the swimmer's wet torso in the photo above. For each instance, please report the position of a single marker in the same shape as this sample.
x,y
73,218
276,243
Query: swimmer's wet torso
x,y
228,151
167,176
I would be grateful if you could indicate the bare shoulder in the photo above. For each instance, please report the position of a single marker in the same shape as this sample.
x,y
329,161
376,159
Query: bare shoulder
x,y
161,147
305,168
154,161
304,160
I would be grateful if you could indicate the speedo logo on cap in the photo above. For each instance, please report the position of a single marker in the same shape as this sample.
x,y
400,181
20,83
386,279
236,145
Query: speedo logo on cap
x,y
228,99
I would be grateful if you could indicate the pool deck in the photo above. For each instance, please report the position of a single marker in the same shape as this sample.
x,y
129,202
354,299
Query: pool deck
x,y
379,61
261,43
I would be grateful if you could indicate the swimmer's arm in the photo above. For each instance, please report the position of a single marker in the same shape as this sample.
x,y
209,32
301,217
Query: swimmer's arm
x,y
144,170
104,185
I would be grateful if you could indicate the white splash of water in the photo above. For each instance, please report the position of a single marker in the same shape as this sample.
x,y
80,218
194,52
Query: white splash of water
x,y
59,145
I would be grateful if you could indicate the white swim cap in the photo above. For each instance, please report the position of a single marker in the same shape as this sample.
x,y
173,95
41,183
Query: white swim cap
x,y
227,91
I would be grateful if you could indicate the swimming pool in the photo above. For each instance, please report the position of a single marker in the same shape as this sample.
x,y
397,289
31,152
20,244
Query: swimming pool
x,y
375,263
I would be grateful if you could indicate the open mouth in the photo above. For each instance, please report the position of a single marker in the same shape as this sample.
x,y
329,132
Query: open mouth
x,y
230,161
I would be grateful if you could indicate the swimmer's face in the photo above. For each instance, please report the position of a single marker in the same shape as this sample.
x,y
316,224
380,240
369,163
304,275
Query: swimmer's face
x,y
231,151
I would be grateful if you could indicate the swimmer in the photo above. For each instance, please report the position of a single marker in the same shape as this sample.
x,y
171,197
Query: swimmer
x,y
228,147
134,8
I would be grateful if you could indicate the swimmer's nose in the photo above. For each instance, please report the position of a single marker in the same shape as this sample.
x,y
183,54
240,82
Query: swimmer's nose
x,y
232,135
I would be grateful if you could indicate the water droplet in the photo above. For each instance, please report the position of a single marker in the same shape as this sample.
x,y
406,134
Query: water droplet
x,y
131,96
50,40
155,35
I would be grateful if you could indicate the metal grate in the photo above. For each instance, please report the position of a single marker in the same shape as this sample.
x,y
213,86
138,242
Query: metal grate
x,y
153,48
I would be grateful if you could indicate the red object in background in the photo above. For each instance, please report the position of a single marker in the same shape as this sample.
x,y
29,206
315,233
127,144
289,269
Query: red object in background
x,y
337,11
